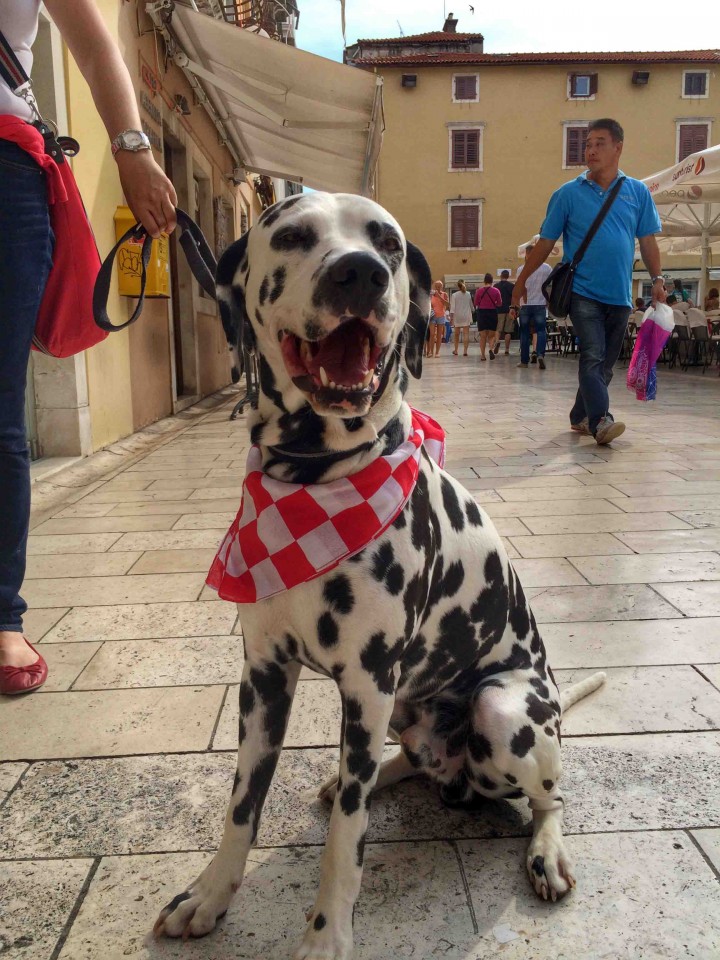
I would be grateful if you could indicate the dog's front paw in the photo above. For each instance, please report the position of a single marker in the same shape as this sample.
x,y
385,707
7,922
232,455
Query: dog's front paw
x,y
328,790
550,869
196,911
326,940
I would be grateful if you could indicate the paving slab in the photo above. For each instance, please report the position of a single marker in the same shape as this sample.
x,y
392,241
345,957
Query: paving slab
x,y
656,568
88,724
10,773
619,602
569,545
709,841
693,599
70,543
36,900
137,621
117,805
413,904
51,566
102,591
66,662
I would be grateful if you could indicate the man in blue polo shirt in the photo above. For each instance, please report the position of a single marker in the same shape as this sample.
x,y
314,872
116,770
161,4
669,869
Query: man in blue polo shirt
x,y
601,298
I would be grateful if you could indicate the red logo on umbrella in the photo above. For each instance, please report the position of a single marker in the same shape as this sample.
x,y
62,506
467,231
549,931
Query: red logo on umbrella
x,y
699,166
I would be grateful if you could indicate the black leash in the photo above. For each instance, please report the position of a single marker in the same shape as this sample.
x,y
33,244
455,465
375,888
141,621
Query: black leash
x,y
198,254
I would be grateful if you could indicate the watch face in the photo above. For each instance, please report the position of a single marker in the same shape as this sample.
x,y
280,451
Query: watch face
x,y
133,139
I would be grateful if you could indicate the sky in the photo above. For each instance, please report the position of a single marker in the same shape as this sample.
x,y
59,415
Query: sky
x,y
525,26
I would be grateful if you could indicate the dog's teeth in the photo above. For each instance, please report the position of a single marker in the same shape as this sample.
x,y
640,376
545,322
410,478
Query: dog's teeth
x,y
324,377
366,349
368,378
332,385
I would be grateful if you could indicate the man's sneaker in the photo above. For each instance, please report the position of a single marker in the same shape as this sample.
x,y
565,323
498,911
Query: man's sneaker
x,y
583,427
522,365
533,358
492,355
541,362
608,430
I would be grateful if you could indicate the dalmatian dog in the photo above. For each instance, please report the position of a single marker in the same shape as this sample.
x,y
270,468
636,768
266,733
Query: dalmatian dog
x,y
426,630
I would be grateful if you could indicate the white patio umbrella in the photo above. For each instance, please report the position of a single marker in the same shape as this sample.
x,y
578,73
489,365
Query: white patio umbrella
x,y
687,197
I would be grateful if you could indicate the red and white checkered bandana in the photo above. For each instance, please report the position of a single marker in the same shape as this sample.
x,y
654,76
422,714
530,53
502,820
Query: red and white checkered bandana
x,y
289,533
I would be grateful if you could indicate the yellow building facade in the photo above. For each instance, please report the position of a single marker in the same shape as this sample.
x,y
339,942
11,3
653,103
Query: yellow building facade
x,y
176,353
475,146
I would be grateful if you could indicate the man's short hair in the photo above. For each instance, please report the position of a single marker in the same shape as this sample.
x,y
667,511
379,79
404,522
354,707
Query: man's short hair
x,y
612,126
505,274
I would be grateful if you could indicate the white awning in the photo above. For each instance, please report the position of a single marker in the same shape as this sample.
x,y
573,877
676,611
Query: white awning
x,y
289,114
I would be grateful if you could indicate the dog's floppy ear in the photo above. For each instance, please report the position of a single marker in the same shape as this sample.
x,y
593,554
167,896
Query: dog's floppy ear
x,y
419,311
231,272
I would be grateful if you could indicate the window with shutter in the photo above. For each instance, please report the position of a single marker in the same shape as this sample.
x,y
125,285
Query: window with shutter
x,y
583,84
575,146
466,87
466,149
464,220
695,84
692,137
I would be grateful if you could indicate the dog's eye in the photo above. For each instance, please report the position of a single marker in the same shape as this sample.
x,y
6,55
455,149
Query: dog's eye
x,y
391,244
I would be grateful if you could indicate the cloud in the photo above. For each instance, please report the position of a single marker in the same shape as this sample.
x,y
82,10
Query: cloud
x,y
529,27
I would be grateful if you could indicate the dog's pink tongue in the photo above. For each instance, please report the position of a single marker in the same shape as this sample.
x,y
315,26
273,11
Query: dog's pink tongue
x,y
343,354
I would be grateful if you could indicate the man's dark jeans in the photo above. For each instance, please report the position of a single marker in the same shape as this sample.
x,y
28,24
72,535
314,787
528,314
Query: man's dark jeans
x,y
537,315
26,243
600,328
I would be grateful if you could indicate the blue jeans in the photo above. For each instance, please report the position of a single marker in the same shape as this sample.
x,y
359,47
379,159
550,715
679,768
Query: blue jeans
x,y
600,328
26,244
537,315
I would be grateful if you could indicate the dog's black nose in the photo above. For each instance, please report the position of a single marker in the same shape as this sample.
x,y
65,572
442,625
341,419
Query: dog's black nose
x,y
355,282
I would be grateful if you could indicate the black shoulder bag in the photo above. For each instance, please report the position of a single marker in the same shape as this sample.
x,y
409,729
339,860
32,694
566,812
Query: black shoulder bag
x,y
557,289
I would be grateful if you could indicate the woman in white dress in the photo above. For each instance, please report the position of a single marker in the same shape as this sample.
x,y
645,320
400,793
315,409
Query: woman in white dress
x,y
461,314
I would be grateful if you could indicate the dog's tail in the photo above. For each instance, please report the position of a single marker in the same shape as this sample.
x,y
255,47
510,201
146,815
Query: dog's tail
x,y
577,691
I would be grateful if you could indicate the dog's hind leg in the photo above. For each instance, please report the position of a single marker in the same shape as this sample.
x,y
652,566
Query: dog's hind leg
x,y
266,693
366,715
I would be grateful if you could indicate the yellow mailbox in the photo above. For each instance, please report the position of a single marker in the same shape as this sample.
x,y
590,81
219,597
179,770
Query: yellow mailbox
x,y
129,264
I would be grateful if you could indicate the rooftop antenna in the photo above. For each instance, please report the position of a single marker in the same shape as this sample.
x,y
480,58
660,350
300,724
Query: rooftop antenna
x,y
402,32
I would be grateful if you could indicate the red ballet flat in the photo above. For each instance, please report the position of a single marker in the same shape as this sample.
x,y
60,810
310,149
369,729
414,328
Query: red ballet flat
x,y
15,680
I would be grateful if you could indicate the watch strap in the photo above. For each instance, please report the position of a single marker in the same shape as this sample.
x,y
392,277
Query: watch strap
x,y
117,144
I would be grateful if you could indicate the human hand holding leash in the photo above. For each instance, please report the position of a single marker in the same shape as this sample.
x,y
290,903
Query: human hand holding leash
x,y
149,193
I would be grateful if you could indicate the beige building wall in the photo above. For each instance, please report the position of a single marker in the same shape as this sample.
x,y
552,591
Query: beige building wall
x,y
523,109
129,380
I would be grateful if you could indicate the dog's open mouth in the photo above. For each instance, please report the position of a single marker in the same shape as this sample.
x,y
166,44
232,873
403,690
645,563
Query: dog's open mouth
x,y
345,365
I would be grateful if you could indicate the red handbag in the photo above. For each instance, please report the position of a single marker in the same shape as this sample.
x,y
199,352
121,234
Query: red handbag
x,y
65,323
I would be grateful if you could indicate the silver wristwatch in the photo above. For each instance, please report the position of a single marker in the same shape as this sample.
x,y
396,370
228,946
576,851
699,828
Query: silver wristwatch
x,y
132,140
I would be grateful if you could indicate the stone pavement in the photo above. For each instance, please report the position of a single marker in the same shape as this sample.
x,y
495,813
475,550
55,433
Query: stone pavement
x,y
115,777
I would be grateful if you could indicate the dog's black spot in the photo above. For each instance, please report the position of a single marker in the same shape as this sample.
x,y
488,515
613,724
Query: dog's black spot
x,y
328,633
291,646
319,922
379,659
549,731
357,740
518,616
548,784
510,778
353,709
242,731
490,608
393,436
485,783
258,317
258,784
523,741
313,331
264,290
337,671
302,237
452,504
540,687
279,276
472,511
176,901
479,746
453,579
403,381
538,866
272,214
236,781
338,594
267,384
394,579
382,559
400,521
247,699
350,798
386,241
353,424
538,710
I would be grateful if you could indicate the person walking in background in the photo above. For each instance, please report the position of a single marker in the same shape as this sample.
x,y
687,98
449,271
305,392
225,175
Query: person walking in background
x,y
533,312
439,303
712,300
26,245
461,312
601,295
487,302
506,323
679,291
